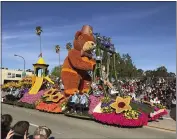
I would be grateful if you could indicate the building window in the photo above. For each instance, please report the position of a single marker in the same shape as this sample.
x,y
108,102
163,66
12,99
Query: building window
x,y
8,75
18,75
13,75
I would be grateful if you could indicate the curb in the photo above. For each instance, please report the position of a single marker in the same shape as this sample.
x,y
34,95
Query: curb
x,y
167,118
166,129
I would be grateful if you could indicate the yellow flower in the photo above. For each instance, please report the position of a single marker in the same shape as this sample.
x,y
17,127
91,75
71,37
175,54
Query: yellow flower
x,y
55,98
121,104
131,114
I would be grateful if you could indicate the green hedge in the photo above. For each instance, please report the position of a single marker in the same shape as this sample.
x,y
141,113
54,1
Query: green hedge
x,y
20,104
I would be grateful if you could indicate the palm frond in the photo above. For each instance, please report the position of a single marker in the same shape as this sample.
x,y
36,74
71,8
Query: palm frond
x,y
39,30
57,48
68,46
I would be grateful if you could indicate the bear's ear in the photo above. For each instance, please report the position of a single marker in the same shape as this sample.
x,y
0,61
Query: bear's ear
x,y
78,33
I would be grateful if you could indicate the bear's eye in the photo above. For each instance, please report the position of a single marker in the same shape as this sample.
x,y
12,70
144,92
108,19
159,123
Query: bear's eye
x,y
80,37
90,31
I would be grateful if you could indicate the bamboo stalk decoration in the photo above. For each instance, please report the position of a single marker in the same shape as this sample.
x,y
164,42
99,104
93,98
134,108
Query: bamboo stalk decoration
x,y
38,32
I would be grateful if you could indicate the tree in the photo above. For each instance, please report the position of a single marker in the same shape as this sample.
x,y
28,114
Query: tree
x,y
171,74
161,72
68,46
38,32
56,71
139,73
57,49
149,73
129,68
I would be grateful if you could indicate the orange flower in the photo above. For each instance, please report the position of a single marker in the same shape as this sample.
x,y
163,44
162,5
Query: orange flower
x,y
57,110
121,104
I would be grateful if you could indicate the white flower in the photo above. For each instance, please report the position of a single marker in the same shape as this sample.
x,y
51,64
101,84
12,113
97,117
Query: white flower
x,y
97,109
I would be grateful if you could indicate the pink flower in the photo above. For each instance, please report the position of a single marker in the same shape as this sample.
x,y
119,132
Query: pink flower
x,y
119,119
94,101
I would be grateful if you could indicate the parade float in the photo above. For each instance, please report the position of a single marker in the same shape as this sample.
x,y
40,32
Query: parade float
x,y
96,97
52,101
91,87
39,81
13,91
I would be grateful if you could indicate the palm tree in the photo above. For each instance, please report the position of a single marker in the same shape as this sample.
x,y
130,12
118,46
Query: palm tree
x,y
68,46
57,49
38,32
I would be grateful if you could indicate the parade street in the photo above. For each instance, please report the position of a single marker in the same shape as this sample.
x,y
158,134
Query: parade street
x,y
67,127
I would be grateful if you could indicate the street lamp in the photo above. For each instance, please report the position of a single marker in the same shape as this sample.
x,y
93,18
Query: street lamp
x,y
23,59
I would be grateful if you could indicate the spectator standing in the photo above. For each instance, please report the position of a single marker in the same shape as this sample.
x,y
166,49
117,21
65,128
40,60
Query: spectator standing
x,y
6,121
20,130
42,132
173,105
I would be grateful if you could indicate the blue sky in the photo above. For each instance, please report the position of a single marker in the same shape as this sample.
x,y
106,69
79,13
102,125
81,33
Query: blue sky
x,y
145,30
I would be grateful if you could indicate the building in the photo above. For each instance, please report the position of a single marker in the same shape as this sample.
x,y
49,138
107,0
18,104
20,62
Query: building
x,y
8,75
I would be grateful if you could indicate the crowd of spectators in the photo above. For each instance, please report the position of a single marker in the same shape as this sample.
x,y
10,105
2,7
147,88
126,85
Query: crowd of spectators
x,y
155,90
21,129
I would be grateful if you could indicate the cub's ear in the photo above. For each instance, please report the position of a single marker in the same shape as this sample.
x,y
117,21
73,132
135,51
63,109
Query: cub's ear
x,y
78,33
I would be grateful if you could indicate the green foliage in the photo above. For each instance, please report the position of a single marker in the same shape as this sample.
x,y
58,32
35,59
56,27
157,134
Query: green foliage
x,y
143,107
39,30
160,106
125,68
68,46
20,104
56,71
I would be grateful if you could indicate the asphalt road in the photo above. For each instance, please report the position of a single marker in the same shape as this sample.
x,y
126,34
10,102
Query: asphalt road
x,y
67,127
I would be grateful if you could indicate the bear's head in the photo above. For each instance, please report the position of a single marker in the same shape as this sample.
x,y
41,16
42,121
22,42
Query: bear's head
x,y
84,40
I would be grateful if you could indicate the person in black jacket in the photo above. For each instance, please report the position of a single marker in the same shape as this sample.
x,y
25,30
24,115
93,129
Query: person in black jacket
x,y
6,121
19,130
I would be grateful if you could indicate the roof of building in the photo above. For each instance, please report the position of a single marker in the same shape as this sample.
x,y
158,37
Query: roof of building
x,y
41,61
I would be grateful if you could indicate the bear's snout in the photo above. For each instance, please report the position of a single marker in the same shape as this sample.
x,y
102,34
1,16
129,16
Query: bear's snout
x,y
93,45
89,46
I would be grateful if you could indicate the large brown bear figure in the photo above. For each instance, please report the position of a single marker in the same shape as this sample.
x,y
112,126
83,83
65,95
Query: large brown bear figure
x,y
79,61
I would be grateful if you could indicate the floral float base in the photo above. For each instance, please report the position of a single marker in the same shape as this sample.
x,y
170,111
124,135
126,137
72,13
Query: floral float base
x,y
52,107
157,114
94,101
119,119
31,99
